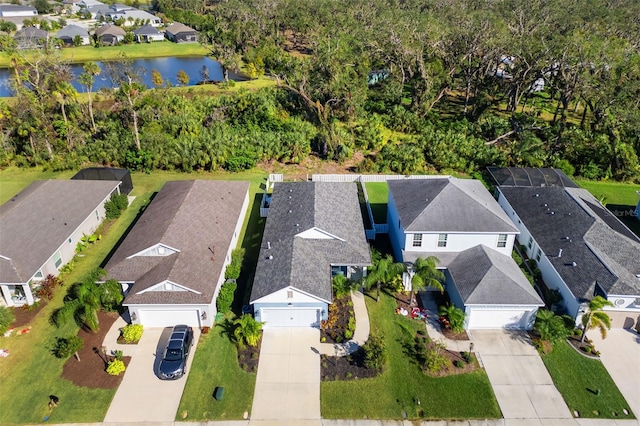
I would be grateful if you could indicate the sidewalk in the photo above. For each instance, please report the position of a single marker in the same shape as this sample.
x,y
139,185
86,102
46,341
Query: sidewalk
x,y
361,334
433,325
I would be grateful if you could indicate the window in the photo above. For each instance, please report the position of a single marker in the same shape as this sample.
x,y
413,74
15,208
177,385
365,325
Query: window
x,y
538,255
502,240
97,215
442,240
417,240
530,244
289,294
57,259
38,274
70,240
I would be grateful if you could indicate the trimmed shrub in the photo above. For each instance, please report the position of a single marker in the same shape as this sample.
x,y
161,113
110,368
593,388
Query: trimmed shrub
x,y
225,297
235,266
116,205
115,367
132,333
6,318
67,346
458,363
375,353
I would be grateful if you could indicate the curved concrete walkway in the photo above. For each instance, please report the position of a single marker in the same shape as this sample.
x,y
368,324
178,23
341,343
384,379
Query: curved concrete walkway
x,y
360,335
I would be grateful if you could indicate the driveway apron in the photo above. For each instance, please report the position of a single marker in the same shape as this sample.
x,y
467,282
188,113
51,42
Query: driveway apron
x,y
521,382
288,380
142,396
620,354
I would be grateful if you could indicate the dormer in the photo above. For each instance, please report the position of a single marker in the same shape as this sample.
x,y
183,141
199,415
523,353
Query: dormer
x,y
166,286
317,234
158,250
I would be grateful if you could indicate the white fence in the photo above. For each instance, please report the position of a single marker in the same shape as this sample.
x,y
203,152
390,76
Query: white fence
x,y
369,178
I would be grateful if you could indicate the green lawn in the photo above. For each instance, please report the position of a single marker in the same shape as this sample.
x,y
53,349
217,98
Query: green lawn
x,y
137,50
467,396
378,195
216,364
578,377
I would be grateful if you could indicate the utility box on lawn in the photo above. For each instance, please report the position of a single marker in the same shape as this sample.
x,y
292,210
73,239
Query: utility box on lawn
x,y
218,393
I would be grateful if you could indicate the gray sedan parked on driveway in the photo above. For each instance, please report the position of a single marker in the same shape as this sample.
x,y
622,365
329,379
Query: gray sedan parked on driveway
x,y
174,359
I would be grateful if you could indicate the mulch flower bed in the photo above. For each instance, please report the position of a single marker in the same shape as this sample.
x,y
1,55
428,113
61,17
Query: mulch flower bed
x,y
334,328
248,357
345,367
25,314
90,371
453,362
585,348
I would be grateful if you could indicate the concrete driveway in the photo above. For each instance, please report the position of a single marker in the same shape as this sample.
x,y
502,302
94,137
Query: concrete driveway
x,y
521,382
288,381
620,354
142,396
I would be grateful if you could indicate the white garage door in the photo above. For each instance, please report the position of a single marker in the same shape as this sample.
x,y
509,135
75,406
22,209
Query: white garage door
x,y
498,318
166,318
290,317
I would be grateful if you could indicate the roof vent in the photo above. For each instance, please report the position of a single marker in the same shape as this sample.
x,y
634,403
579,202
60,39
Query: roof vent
x,y
566,239
291,190
289,211
545,204
560,253
574,264
268,245
552,212
270,257
297,224
537,195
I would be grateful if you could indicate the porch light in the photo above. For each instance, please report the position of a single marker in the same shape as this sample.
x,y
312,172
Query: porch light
x,y
203,316
133,316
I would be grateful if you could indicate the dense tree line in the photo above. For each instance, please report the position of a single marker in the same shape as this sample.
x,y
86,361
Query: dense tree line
x,y
459,87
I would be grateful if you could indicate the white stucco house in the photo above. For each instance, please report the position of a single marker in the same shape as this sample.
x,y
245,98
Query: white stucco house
x,y
313,232
17,11
40,229
171,264
461,224
582,249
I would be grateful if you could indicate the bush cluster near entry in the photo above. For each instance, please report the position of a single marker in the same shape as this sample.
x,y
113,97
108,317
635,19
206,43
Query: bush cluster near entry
x,y
132,333
116,205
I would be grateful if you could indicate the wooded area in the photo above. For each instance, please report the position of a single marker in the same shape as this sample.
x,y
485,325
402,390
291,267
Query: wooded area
x,y
415,85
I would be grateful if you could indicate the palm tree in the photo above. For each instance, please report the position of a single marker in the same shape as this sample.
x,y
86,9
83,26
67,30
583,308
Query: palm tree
x,y
454,315
85,299
426,274
383,271
595,317
247,330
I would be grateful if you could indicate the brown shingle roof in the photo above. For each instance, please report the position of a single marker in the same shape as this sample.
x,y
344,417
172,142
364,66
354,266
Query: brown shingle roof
x,y
189,216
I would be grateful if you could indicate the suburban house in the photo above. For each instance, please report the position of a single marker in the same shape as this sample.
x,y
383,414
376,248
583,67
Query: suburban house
x,y
17,11
69,34
461,224
109,34
171,264
147,34
40,228
314,232
180,33
129,14
31,38
581,248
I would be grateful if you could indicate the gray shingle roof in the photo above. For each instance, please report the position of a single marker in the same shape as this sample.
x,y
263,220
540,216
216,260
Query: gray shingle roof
x,y
189,216
32,33
37,221
484,276
72,31
110,29
448,205
306,263
566,218
178,28
146,30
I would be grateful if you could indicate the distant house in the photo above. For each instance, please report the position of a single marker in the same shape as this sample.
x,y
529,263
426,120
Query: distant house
x,y
31,38
110,34
69,33
461,224
17,11
314,232
130,15
171,264
40,229
581,248
147,34
180,33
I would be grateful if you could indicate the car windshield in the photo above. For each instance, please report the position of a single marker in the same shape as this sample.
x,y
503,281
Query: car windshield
x,y
173,355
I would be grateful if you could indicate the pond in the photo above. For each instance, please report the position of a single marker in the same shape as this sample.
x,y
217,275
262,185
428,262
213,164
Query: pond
x,y
167,67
